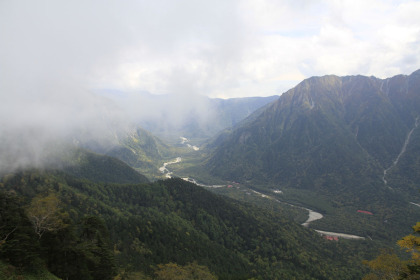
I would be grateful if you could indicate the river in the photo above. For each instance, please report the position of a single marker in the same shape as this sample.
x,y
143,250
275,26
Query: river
x,y
312,215
418,205
185,141
163,169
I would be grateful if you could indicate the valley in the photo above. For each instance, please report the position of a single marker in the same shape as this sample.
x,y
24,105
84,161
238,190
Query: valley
x,y
209,140
164,168
319,144
312,215
303,186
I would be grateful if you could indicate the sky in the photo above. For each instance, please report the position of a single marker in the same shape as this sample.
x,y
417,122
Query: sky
x,y
56,57
215,48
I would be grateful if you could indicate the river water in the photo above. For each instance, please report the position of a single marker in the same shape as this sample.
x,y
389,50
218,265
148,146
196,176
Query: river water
x,y
164,170
418,205
312,215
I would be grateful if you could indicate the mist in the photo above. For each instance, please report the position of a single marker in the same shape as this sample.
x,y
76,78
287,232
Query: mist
x,y
60,61
57,58
54,57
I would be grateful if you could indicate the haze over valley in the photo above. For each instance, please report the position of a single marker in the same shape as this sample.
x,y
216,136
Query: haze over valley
x,y
209,140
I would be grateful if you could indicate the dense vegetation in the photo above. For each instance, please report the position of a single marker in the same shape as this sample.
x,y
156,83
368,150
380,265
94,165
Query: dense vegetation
x,y
170,221
334,135
388,266
69,250
326,144
97,218
100,168
142,151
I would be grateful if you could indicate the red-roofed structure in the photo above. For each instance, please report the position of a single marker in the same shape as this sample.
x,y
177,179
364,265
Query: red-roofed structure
x,y
364,212
331,238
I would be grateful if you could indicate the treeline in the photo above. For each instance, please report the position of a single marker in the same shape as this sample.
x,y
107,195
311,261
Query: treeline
x,y
107,230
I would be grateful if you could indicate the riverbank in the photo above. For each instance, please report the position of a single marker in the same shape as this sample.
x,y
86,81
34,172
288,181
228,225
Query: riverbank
x,y
312,215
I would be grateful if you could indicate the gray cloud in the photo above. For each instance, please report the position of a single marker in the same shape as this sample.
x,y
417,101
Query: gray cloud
x,y
57,56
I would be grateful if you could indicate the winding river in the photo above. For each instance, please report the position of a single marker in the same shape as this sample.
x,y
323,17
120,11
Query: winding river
x,y
164,170
312,215
416,204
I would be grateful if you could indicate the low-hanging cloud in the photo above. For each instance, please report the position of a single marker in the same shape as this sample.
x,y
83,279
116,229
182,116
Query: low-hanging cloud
x,y
56,57
56,54
48,52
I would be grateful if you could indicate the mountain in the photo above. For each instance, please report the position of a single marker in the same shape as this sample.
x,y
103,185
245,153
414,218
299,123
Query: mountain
x,y
204,117
84,164
333,135
332,142
182,123
193,116
230,112
136,147
141,150
158,223
199,118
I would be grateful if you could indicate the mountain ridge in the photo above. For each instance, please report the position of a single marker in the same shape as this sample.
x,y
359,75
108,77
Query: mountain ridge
x,y
325,124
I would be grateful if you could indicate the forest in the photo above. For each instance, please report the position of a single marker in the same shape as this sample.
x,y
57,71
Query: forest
x,y
106,231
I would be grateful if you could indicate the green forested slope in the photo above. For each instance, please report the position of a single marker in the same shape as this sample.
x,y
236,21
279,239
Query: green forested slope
x,y
142,151
176,221
332,135
100,168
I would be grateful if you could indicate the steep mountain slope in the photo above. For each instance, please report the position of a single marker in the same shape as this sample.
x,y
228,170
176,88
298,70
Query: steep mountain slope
x,y
176,221
171,116
205,117
141,150
100,168
199,118
221,114
329,134
230,112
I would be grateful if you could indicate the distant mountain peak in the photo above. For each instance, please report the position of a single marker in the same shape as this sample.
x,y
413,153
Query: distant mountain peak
x,y
348,127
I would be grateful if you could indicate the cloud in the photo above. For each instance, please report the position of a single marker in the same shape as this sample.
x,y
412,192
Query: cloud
x,y
338,37
219,45
55,56
221,50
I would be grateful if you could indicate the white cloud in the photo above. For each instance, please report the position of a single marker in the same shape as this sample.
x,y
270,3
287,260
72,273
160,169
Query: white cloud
x,y
216,46
54,52
338,37
259,42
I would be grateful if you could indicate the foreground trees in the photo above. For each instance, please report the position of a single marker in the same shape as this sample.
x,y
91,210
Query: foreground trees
x,y
388,266
45,215
165,222
19,243
44,235
412,245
